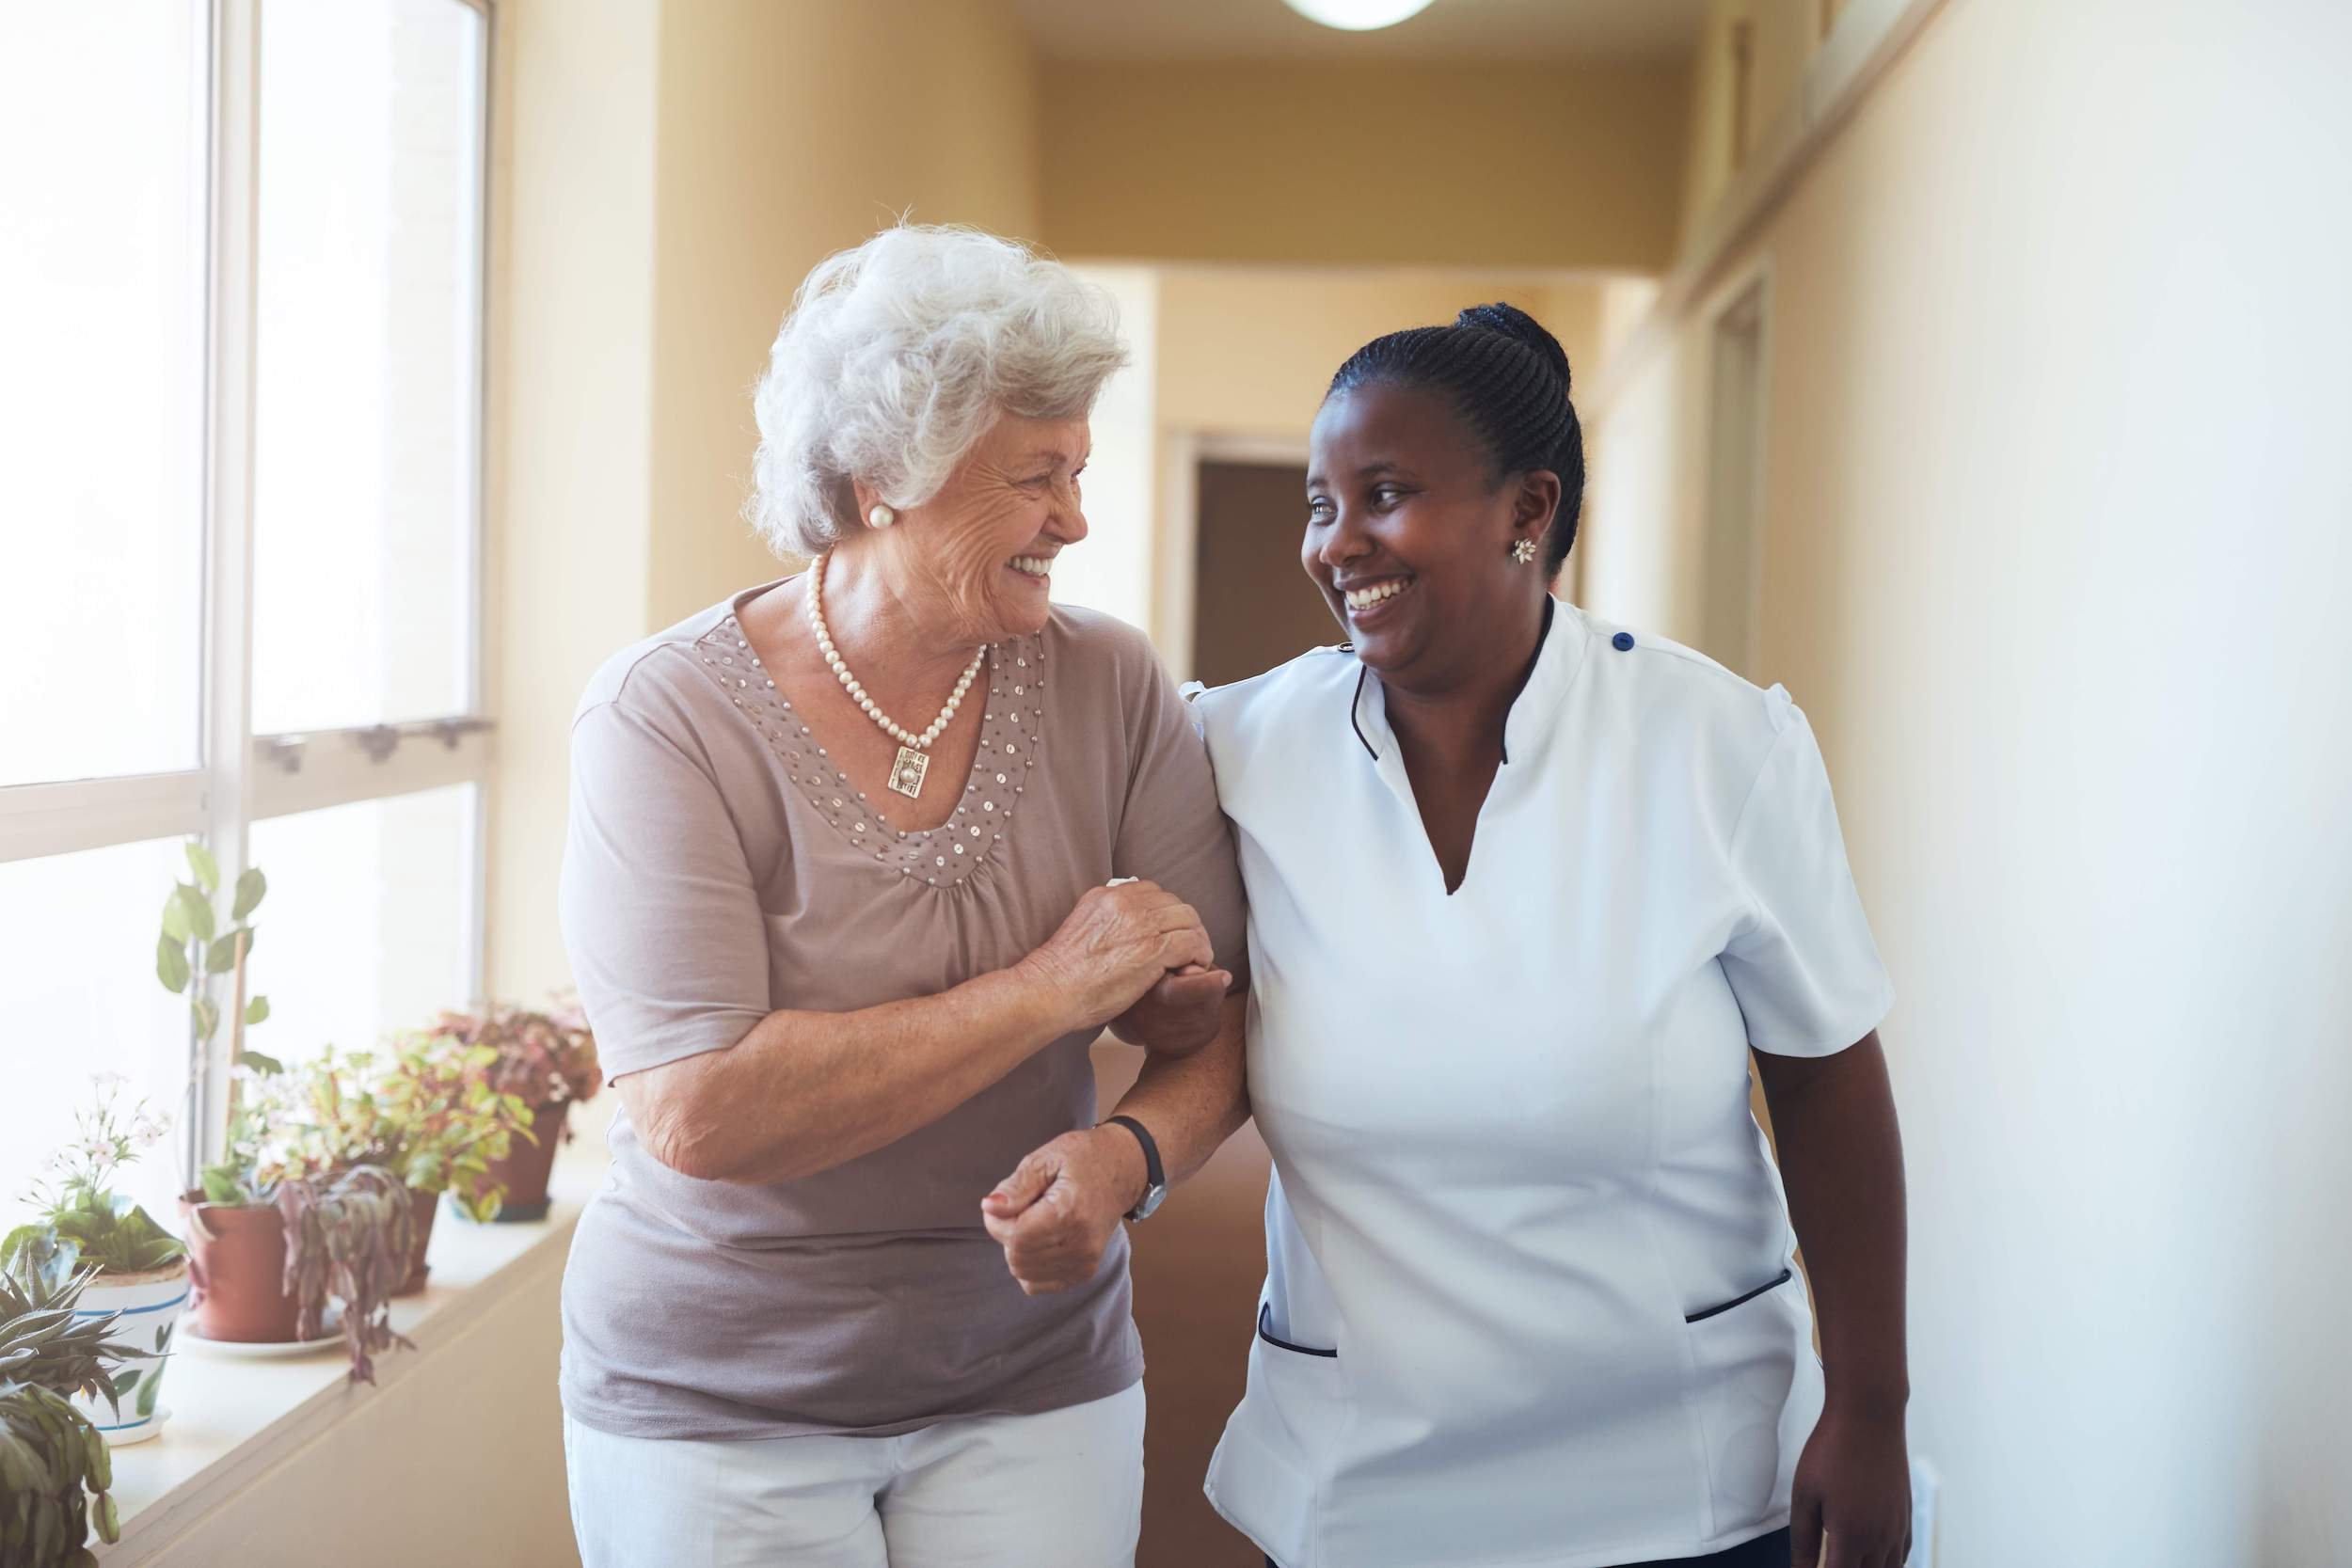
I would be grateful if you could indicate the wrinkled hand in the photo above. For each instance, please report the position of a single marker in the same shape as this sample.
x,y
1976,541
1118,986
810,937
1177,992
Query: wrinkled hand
x,y
1178,1015
1053,1215
1854,1485
1117,944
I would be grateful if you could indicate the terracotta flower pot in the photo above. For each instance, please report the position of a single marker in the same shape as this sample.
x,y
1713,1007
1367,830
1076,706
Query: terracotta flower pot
x,y
422,1205
237,1266
151,1304
526,1170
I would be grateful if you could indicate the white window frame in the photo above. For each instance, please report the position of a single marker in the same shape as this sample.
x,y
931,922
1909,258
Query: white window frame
x,y
248,778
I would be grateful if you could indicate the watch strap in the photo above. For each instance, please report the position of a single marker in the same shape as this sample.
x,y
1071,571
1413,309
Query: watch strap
x,y
1155,1175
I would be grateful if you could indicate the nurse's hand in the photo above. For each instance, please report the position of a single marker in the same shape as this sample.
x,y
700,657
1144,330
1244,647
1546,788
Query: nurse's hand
x,y
1854,1486
1053,1215
1116,943
1178,1015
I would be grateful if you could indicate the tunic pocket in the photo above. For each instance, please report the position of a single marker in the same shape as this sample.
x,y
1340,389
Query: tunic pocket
x,y
1274,1460
1721,1307
1266,1332
1756,1389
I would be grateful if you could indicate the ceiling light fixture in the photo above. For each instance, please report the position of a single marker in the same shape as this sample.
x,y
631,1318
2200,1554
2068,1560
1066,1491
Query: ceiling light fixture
x,y
1357,16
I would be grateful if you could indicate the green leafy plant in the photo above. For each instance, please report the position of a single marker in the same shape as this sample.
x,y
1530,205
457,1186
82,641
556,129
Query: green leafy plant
x,y
421,1108
53,1475
195,949
244,1177
543,1058
80,1208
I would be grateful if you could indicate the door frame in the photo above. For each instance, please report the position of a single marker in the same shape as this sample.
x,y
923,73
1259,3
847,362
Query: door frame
x,y
1175,594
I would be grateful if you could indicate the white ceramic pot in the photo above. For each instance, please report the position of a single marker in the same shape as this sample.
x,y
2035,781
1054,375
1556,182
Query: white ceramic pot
x,y
151,1304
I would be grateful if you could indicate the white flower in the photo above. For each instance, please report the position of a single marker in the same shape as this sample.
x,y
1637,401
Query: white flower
x,y
108,1082
101,1159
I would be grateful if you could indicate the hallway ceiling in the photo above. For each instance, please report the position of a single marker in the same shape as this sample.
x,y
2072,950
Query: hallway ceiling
x,y
1651,30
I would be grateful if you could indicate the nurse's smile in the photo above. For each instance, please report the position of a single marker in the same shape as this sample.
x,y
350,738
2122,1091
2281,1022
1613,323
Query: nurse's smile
x,y
1369,603
1409,536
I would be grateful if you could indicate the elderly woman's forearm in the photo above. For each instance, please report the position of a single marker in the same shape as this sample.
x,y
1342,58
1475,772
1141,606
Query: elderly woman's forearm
x,y
804,1092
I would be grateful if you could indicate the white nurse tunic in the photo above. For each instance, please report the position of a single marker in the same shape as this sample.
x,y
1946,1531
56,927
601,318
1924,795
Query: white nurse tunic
x,y
1529,1296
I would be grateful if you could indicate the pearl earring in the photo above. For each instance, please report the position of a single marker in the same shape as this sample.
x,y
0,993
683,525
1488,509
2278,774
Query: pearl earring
x,y
1523,551
881,516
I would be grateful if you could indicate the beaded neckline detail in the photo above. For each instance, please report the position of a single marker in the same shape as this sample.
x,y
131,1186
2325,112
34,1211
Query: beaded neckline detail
x,y
1011,732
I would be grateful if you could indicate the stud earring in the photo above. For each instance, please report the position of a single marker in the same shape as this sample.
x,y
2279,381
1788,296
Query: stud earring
x,y
1523,551
881,516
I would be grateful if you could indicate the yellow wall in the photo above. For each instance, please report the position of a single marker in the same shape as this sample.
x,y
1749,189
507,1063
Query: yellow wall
x,y
789,131
1248,351
2055,546
1511,166
1782,36
570,486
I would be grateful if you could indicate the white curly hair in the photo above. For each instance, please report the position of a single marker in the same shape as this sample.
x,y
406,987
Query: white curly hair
x,y
895,359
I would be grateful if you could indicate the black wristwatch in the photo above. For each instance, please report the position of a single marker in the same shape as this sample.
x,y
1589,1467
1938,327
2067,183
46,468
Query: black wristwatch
x,y
1155,1178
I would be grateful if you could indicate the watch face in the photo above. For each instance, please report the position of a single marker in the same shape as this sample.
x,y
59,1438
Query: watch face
x,y
1151,1197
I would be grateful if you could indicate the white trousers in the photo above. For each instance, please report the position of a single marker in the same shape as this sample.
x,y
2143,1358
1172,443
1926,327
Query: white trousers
x,y
1063,1489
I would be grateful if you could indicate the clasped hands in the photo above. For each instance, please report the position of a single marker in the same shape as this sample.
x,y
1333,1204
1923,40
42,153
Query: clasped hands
x,y
1137,957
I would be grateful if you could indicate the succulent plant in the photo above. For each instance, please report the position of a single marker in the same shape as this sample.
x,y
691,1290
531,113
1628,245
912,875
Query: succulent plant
x,y
42,1342
53,1475
54,1466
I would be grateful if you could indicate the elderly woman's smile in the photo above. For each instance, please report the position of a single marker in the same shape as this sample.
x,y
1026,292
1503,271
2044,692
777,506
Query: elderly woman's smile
x,y
975,563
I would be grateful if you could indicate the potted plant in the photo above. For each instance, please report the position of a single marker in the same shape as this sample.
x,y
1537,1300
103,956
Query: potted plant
x,y
546,1061
421,1108
273,1239
274,1245
53,1475
237,1254
54,1466
140,1271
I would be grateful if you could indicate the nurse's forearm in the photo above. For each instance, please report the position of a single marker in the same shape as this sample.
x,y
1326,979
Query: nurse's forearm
x,y
1841,1159
1192,1103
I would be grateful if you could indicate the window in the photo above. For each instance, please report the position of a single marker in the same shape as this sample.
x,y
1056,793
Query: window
x,y
241,282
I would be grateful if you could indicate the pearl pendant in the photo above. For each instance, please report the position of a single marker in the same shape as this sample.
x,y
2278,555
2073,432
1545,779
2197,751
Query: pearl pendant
x,y
906,774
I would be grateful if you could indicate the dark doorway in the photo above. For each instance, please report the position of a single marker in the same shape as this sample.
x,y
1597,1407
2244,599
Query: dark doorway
x,y
1252,606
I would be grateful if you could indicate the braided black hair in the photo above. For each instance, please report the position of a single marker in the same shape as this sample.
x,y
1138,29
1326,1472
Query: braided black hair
x,y
1509,378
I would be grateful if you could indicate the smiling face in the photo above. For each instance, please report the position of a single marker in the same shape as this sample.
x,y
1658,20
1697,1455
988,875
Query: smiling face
x,y
976,560
1409,538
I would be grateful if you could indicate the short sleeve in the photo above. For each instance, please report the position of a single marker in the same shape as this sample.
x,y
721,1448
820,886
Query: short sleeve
x,y
1803,966
1171,830
660,918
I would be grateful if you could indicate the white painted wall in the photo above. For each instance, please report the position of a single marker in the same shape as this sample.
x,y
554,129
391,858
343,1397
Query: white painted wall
x,y
2056,539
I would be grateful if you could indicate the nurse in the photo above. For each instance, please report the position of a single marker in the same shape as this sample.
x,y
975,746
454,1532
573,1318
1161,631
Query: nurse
x,y
1526,891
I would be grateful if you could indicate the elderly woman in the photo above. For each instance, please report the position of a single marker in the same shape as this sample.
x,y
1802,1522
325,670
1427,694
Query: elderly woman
x,y
837,896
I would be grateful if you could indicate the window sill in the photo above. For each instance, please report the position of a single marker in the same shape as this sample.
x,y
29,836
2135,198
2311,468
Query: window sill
x,y
232,1419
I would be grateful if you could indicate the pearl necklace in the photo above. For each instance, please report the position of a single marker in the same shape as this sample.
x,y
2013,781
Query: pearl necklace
x,y
906,774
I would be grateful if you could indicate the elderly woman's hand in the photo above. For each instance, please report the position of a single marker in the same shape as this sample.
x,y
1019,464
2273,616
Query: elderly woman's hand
x,y
1053,1215
1116,945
